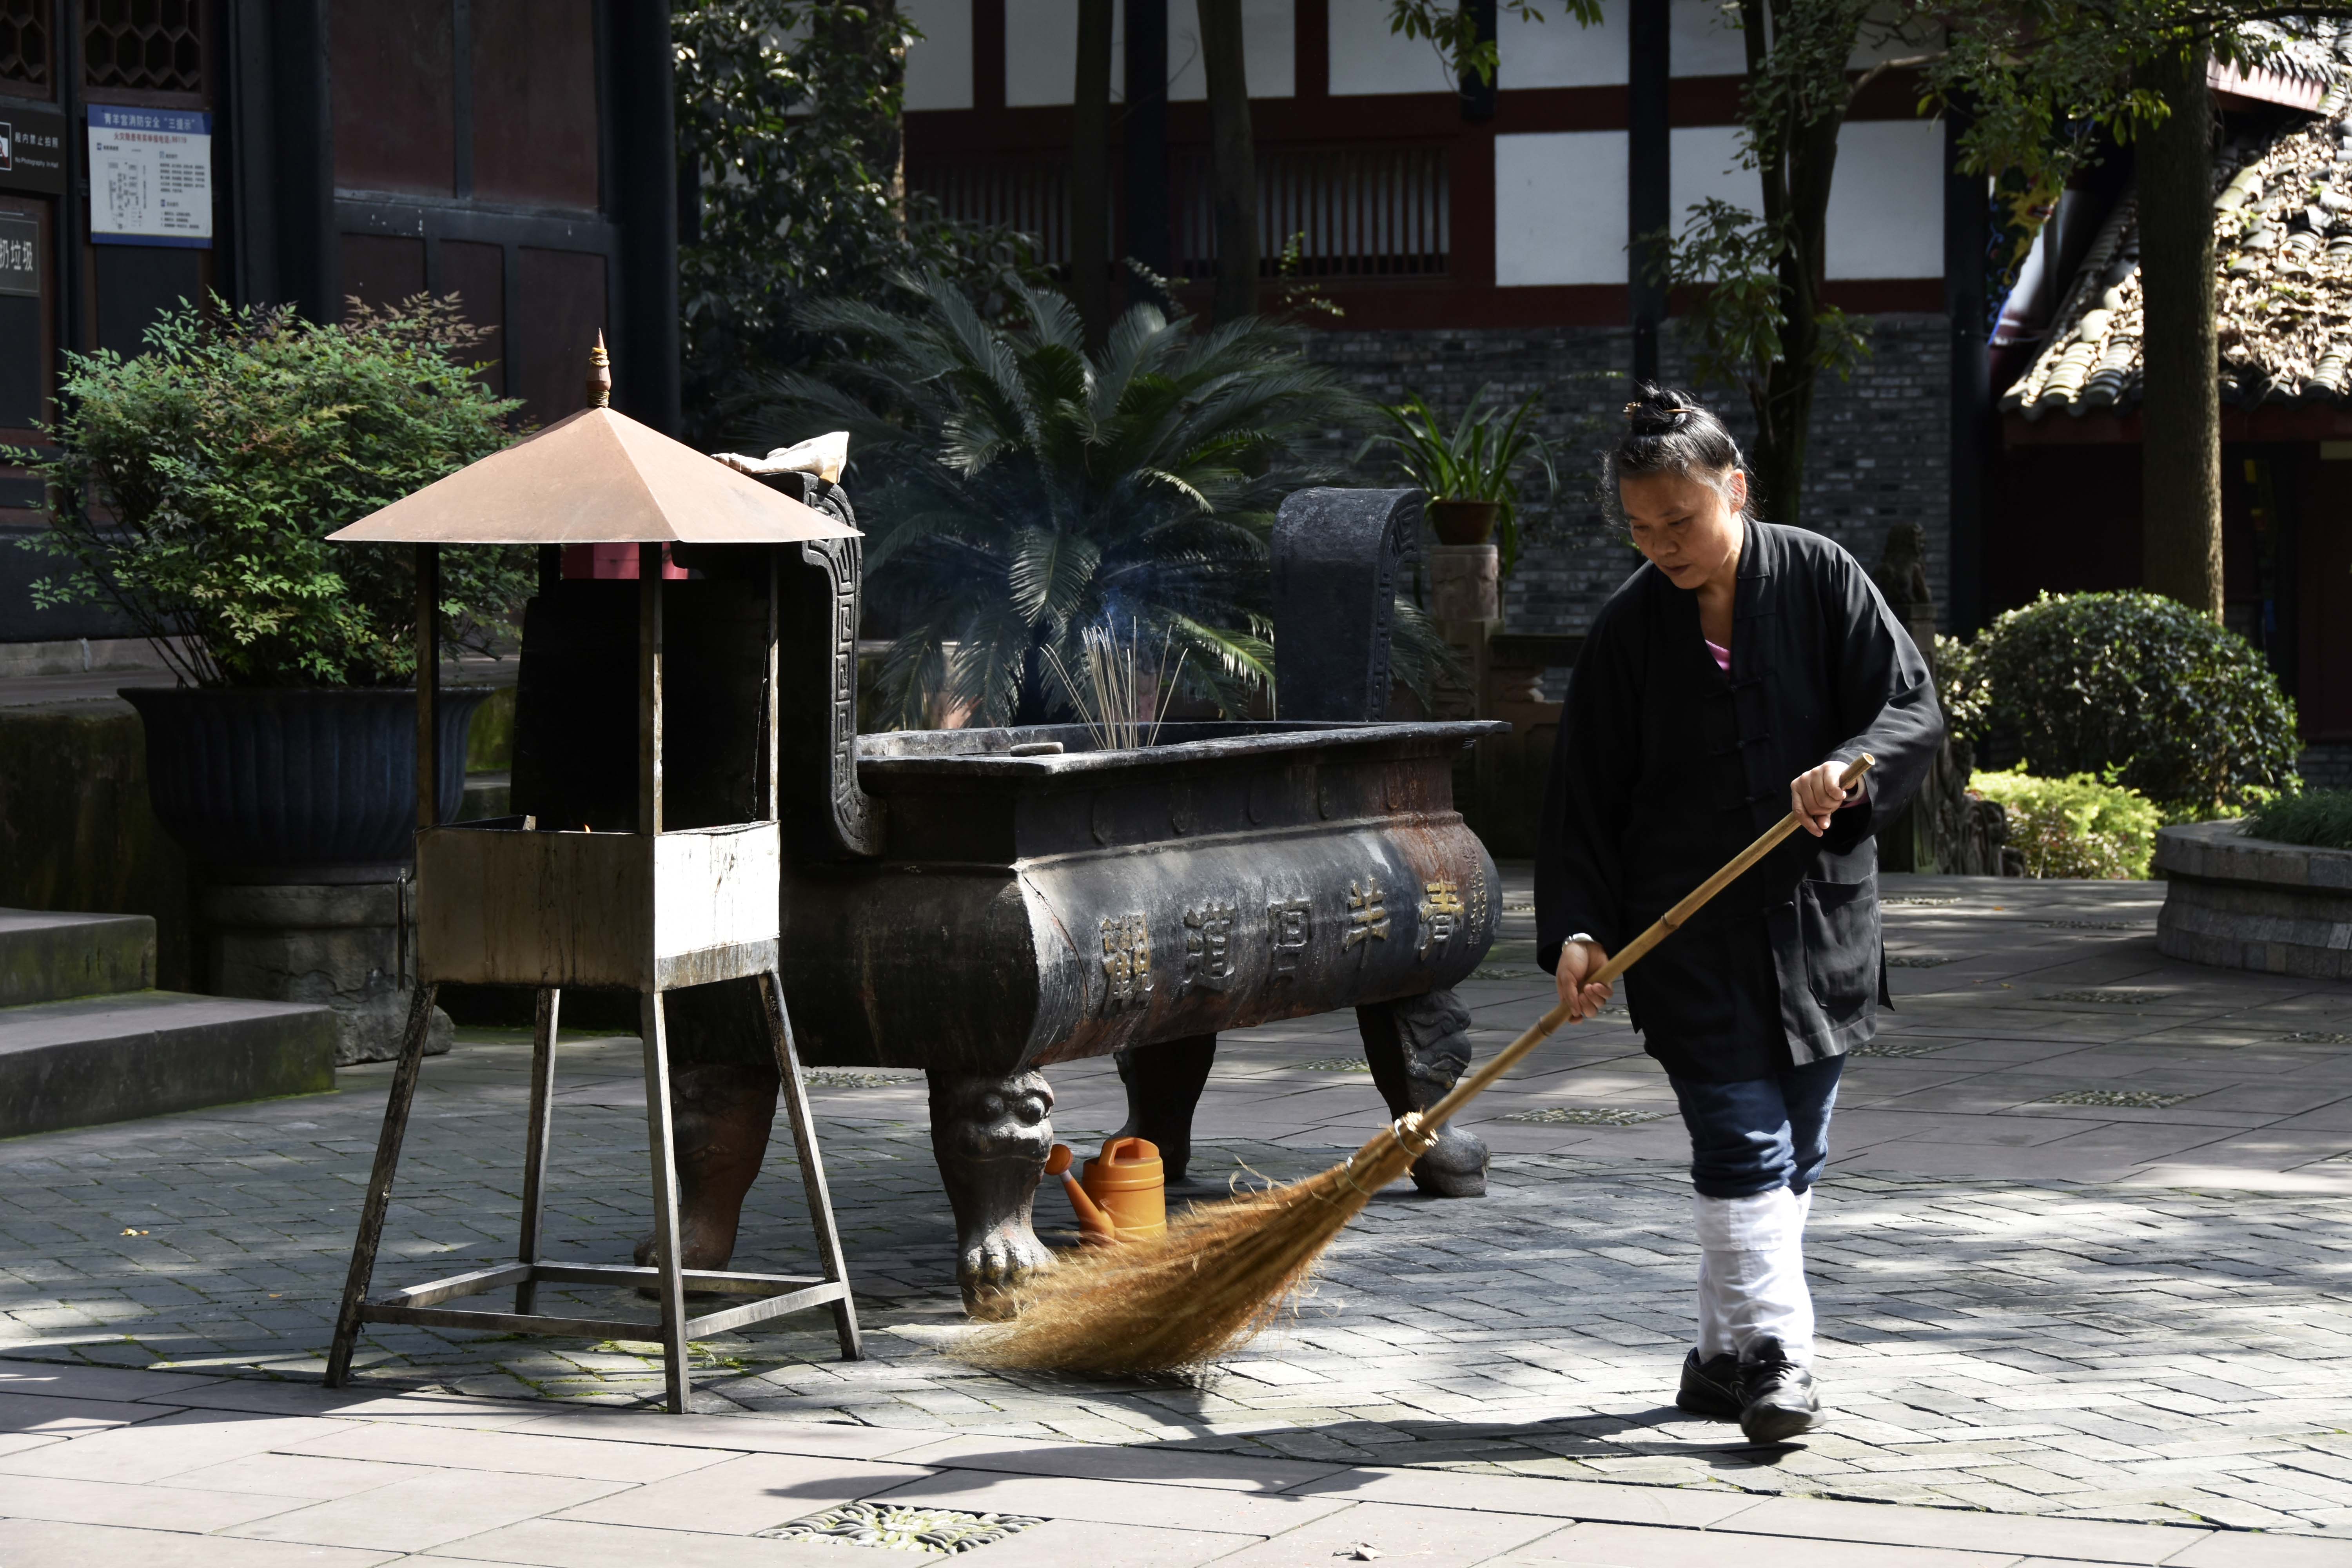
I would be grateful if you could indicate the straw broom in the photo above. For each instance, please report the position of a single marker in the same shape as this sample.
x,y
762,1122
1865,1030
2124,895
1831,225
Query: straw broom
x,y
1225,1272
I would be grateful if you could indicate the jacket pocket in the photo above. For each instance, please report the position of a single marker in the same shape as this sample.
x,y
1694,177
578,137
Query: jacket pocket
x,y
1838,925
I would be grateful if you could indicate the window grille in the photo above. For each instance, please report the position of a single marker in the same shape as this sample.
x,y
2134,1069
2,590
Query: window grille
x,y
1357,212
156,46
25,42
1030,195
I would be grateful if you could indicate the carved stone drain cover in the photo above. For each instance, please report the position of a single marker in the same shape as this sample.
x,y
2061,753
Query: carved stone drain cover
x,y
1338,1064
1900,1048
1917,902
936,1530
2112,999
2124,1099
2315,1038
1917,959
1590,1115
838,1078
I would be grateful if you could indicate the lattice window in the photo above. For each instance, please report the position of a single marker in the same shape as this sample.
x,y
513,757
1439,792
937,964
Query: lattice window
x,y
1028,195
156,45
25,42
1360,212
1364,211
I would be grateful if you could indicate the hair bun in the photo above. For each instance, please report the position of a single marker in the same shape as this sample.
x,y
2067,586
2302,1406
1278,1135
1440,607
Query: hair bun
x,y
1654,412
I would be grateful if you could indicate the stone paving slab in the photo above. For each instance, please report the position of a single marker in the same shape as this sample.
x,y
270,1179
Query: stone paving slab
x,y
704,1491
2027,1306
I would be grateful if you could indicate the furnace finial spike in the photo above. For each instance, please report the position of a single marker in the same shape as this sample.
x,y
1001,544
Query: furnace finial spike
x,y
600,375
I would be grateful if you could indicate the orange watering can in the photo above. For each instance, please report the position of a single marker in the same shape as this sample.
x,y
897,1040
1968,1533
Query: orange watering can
x,y
1124,1195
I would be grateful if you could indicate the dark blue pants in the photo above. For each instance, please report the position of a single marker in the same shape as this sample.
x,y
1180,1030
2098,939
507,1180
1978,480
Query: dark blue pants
x,y
1765,1132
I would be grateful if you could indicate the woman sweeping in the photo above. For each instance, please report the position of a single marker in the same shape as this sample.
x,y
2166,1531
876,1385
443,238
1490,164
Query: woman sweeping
x,y
1725,683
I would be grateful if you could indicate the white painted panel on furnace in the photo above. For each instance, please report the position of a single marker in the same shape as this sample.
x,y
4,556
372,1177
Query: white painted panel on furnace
x,y
1705,163
1556,52
1041,51
1560,209
1269,50
939,64
1705,41
1886,204
1365,58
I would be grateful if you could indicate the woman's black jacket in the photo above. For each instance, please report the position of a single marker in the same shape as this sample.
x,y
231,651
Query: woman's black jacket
x,y
1667,768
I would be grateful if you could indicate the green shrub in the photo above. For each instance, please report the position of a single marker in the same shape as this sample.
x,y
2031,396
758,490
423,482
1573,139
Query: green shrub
x,y
195,486
2321,818
2141,689
2075,826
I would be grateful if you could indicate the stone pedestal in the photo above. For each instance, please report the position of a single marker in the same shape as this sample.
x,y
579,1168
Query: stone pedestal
x,y
2249,903
1466,583
1466,600
340,945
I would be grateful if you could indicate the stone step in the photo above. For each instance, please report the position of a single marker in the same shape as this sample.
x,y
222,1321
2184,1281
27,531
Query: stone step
x,y
110,1058
50,957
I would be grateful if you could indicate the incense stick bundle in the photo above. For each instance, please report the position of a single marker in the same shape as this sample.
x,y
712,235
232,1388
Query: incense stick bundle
x,y
1225,1272
1119,713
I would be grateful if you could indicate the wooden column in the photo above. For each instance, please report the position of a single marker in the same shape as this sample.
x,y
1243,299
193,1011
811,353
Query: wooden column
x,y
1648,174
651,560
428,686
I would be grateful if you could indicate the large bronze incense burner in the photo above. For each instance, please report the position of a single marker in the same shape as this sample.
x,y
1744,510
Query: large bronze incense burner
x,y
983,903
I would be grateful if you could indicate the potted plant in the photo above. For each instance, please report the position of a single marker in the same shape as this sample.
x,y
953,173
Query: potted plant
x,y
1471,475
193,488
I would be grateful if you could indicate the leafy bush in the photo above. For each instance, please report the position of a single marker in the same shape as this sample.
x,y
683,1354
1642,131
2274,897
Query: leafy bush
x,y
1024,489
799,194
2321,817
1481,460
2076,826
195,485
2141,689
1960,685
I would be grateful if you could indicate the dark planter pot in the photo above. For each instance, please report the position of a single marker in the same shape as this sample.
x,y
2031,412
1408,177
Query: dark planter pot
x,y
1464,521
303,784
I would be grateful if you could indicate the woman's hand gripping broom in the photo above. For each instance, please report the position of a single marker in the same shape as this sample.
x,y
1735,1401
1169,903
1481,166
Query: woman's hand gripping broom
x,y
1226,1271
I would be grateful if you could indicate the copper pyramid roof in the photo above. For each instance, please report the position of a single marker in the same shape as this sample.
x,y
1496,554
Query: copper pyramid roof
x,y
596,478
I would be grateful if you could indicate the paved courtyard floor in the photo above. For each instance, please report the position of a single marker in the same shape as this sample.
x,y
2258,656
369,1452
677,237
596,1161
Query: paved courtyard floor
x,y
2080,1266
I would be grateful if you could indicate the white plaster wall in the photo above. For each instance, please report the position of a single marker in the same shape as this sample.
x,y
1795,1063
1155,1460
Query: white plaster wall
x,y
1269,49
1707,41
1705,163
1703,41
1365,58
1041,50
1557,52
938,65
1560,209
1886,204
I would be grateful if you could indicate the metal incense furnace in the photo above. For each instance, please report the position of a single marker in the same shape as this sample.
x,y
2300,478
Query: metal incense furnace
x,y
508,902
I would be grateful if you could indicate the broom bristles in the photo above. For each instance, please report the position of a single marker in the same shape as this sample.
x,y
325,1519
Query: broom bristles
x,y
1222,1274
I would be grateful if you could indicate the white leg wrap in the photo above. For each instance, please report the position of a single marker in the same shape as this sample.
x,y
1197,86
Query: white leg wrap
x,y
1751,1274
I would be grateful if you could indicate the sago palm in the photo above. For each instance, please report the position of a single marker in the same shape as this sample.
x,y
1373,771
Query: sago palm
x,y
1017,490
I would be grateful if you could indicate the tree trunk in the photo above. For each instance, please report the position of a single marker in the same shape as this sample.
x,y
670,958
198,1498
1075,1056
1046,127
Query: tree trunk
x,y
2180,418
1090,172
872,31
1233,159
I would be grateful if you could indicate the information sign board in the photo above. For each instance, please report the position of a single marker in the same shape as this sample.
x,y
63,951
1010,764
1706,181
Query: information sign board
x,y
150,177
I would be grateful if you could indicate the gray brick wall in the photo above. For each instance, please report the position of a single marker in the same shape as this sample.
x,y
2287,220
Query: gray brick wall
x,y
2327,767
1878,456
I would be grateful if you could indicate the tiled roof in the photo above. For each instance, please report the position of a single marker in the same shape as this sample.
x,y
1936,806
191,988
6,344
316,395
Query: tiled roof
x,y
2282,237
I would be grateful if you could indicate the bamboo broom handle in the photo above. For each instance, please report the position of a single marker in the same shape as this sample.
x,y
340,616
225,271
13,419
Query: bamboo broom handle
x,y
1664,926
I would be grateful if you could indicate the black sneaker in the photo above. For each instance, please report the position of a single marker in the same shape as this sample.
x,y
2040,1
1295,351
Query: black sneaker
x,y
1710,1388
1777,1400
